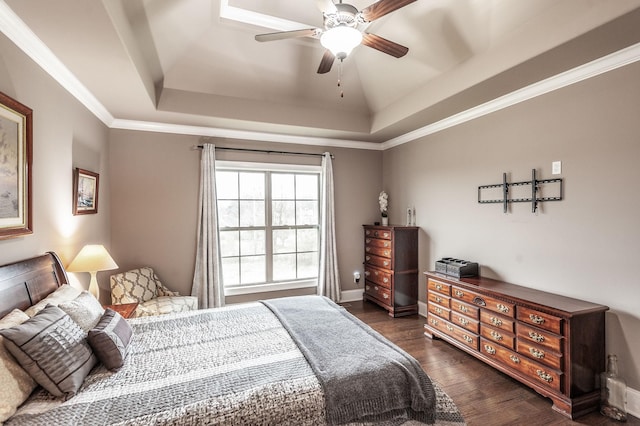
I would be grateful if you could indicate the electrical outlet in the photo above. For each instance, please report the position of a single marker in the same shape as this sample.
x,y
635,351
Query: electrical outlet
x,y
556,168
356,277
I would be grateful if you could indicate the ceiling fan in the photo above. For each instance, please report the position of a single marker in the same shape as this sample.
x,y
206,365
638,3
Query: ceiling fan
x,y
341,34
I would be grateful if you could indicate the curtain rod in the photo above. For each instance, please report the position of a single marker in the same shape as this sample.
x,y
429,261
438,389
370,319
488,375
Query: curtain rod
x,y
266,151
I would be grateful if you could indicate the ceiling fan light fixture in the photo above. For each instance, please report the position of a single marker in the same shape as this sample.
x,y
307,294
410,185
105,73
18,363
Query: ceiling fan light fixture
x,y
341,40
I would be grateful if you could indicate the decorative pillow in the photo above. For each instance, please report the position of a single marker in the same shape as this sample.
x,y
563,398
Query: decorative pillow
x,y
135,286
64,293
15,384
53,349
110,339
85,310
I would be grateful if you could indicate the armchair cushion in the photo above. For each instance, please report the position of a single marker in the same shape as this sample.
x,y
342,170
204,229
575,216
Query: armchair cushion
x,y
166,305
135,286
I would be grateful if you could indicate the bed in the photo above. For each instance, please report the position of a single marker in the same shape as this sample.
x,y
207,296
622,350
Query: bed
x,y
297,360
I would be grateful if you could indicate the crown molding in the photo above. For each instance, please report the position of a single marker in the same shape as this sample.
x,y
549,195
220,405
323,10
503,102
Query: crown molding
x,y
20,34
591,69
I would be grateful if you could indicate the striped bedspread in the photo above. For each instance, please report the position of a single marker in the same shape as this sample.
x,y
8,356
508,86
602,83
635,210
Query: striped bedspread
x,y
231,366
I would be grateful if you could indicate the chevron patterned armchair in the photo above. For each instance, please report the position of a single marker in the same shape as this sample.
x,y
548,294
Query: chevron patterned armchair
x,y
143,286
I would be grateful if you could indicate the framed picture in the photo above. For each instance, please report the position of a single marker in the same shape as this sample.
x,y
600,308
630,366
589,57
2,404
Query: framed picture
x,y
16,134
85,192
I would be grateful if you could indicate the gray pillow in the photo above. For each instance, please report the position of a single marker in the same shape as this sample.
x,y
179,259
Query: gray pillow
x,y
53,349
85,310
110,339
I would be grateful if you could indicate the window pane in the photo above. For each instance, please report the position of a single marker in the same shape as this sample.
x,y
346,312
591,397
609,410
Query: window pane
x,y
307,187
227,185
307,265
284,267
253,269
307,240
282,187
283,213
252,186
231,271
251,213
307,213
229,243
252,242
284,241
228,214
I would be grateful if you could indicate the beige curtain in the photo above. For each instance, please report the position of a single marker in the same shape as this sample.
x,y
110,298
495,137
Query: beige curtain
x,y
207,282
329,278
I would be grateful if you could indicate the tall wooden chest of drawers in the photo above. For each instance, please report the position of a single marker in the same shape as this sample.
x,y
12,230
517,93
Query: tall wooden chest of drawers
x,y
551,343
391,268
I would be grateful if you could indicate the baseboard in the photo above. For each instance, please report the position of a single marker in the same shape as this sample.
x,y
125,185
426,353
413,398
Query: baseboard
x,y
633,402
351,295
422,308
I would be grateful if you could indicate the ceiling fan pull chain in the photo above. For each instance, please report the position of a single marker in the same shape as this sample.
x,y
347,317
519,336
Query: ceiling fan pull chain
x,y
340,80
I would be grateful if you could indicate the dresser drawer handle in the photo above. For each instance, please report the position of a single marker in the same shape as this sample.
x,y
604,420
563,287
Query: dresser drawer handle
x,y
496,321
367,232
479,301
366,287
438,299
438,311
433,321
375,273
459,293
375,234
536,353
368,240
387,253
367,249
385,295
450,328
386,235
490,350
536,319
496,335
385,263
515,359
537,337
467,338
367,273
544,376
438,286
463,321
385,280
367,258
386,244
502,308
375,288
463,309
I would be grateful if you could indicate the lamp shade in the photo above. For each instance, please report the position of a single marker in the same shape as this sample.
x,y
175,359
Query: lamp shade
x,y
341,40
92,258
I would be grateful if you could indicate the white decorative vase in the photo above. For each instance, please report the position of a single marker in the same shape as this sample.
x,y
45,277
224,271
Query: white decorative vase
x,y
385,220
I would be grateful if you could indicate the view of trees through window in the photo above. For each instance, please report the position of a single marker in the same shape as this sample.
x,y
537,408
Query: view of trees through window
x,y
269,226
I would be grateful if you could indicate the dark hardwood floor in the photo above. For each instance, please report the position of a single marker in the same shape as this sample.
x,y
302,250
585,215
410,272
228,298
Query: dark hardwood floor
x,y
483,395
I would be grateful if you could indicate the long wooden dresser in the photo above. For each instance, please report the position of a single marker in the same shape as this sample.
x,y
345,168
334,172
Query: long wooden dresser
x,y
551,343
391,268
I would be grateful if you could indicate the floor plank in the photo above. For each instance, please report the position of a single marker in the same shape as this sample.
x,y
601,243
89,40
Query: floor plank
x,y
483,395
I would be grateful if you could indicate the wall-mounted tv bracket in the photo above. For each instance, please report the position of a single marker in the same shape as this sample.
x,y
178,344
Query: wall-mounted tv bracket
x,y
536,186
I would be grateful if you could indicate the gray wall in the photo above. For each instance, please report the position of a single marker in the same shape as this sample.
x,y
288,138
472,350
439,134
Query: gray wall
x,y
155,180
65,135
585,246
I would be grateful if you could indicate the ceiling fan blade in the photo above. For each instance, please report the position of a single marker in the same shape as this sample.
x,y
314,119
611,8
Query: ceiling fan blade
x,y
327,62
384,45
381,8
309,32
326,6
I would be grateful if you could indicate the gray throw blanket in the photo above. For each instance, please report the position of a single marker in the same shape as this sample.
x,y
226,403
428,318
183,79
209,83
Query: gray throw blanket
x,y
365,377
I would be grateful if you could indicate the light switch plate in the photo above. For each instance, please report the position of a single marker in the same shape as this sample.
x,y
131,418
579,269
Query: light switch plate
x,y
556,167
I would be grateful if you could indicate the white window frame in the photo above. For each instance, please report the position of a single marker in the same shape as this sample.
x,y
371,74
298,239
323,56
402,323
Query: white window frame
x,y
224,165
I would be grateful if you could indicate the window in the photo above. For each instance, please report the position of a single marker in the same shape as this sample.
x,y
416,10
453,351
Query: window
x,y
269,223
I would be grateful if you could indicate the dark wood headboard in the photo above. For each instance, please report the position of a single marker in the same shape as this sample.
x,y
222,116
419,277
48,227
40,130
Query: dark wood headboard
x,y
27,282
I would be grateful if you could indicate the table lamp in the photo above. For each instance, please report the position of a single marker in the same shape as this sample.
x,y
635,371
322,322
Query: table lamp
x,y
92,258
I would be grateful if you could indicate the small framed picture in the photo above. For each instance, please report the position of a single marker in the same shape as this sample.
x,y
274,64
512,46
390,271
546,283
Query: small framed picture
x,y
85,191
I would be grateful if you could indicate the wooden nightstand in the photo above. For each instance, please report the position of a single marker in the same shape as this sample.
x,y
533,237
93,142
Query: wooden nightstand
x,y
125,309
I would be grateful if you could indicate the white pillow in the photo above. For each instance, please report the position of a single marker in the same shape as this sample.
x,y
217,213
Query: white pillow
x,y
85,310
64,293
15,383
